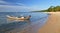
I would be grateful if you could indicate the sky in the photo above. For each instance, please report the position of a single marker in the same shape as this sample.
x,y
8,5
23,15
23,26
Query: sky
x,y
26,5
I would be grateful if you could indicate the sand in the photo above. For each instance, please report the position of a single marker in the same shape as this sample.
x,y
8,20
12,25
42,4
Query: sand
x,y
52,25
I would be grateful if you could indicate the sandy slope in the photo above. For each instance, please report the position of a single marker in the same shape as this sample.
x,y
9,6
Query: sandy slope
x,y
52,25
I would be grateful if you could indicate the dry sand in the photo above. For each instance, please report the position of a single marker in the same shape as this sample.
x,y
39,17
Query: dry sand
x,y
52,25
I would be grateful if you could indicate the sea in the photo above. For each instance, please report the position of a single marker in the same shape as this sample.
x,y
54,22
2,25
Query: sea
x,y
8,26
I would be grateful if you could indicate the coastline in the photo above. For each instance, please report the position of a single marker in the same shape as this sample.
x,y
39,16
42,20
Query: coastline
x,y
52,25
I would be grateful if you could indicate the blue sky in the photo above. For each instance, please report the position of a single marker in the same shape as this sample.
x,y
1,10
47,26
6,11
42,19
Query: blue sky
x,y
26,5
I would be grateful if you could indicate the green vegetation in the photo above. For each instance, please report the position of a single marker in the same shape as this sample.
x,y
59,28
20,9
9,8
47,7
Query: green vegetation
x,y
51,9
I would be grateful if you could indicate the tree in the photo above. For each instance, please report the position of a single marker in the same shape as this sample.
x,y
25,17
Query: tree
x,y
51,8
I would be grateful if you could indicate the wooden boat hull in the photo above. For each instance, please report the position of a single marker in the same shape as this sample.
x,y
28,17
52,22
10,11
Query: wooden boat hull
x,y
16,18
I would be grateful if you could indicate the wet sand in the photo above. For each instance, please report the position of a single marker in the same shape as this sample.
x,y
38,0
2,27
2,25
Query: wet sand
x,y
52,25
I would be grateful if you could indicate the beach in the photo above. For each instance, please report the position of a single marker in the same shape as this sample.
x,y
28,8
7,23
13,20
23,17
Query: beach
x,y
52,25
49,22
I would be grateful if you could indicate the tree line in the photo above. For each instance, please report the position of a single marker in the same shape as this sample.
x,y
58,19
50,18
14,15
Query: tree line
x,y
51,9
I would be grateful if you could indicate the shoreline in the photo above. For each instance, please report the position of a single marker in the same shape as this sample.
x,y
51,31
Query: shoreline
x,y
52,25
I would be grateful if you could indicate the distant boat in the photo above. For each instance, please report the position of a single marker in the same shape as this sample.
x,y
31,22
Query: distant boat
x,y
19,18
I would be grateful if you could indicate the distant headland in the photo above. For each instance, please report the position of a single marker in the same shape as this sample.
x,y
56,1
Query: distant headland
x,y
50,9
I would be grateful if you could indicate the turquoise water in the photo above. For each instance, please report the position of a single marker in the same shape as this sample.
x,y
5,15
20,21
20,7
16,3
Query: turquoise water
x,y
12,26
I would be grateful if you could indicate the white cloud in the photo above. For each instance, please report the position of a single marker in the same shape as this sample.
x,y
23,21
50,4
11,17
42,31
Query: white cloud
x,y
9,3
3,2
7,8
11,7
20,4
